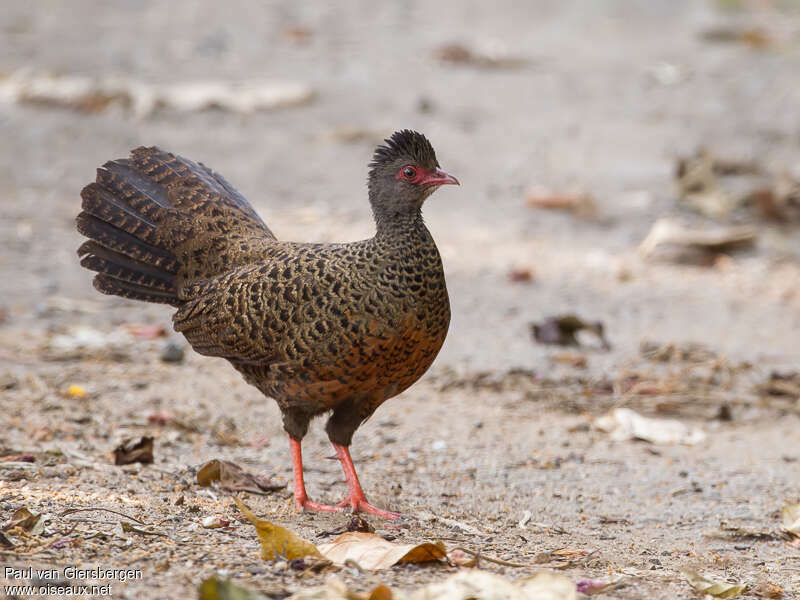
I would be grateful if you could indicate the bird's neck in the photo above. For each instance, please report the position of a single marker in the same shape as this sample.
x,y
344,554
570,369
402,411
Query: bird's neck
x,y
394,224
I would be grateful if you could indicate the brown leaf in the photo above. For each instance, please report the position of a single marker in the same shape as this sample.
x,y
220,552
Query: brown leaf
x,y
132,451
232,477
22,518
380,593
790,515
29,458
579,204
520,275
371,551
718,589
277,541
561,330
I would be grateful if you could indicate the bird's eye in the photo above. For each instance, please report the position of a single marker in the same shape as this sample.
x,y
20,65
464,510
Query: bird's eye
x,y
409,172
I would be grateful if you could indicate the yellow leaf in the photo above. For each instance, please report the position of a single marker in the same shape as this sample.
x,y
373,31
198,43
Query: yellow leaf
x,y
715,588
277,541
76,391
791,518
216,589
371,551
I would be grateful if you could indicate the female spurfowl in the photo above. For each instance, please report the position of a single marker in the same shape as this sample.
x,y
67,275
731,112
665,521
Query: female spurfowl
x,y
320,328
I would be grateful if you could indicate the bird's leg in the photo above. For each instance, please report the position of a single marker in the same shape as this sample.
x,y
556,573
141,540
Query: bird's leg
x,y
356,499
301,500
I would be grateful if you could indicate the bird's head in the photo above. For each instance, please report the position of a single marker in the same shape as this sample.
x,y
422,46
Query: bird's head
x,y
403,173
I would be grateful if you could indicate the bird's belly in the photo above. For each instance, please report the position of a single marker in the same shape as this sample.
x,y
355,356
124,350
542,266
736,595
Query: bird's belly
x,y
374,369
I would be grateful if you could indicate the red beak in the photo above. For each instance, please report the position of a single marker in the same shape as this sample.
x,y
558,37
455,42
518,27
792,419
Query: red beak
x,y
438,177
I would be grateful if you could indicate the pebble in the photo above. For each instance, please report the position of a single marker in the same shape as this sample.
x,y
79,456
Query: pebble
x,y
172,352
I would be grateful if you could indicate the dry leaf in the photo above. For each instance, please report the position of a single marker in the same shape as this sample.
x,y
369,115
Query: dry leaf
x,y
277,541
22,518
791,518
562,330
520,275
232,477
132,451
371,551
493,56
143,98
578,203
216,589
768,590
714,588
668,239
626,424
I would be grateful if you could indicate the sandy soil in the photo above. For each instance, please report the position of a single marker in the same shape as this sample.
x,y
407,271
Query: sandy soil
x,y
607,98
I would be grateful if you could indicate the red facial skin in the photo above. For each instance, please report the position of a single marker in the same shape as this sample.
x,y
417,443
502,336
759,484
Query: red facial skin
x,y
419,176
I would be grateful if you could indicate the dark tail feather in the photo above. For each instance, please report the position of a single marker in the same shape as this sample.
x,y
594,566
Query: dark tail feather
x,y
120,212
156,221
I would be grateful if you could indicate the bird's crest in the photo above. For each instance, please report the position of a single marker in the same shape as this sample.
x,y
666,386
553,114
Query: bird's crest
x,y
405,144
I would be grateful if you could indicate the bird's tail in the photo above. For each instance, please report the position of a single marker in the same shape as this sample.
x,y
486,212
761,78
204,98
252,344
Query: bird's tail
x,y
156,221
121,213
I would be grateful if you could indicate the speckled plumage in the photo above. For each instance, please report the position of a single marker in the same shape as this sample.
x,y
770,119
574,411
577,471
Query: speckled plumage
x,y
317,327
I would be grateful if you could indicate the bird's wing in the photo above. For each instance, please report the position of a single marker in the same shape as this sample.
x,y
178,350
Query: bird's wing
x,y
273,312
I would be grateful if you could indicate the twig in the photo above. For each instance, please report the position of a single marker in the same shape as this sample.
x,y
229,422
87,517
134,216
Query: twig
x,y
498,561
69,511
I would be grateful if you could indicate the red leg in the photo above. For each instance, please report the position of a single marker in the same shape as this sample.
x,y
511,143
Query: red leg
x,y
356,500
301,500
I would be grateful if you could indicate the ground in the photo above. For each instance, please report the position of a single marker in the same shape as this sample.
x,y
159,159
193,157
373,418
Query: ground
x,y
604,98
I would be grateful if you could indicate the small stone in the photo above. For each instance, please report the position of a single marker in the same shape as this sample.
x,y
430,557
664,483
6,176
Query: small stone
x,y
172,353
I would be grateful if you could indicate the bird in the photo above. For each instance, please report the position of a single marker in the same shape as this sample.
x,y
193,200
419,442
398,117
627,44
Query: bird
x,y
321,328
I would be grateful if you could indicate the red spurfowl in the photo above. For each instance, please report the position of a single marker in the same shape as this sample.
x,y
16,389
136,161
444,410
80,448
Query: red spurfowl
x,y
320,328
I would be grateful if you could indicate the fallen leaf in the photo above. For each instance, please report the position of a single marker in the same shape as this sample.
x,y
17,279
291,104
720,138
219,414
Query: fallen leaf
x,y
672,241
22,518
561,330
277,541
493,56
714,588
88,94
225,589
232,477
372,552
790,515
626,424
578,203
754,37
28,458
768,590
133,450
520,275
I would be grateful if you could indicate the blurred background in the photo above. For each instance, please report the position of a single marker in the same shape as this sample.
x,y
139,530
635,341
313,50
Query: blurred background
x,y
565,122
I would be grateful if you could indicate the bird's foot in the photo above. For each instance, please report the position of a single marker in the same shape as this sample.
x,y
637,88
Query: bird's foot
x,y
358,503
304,504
